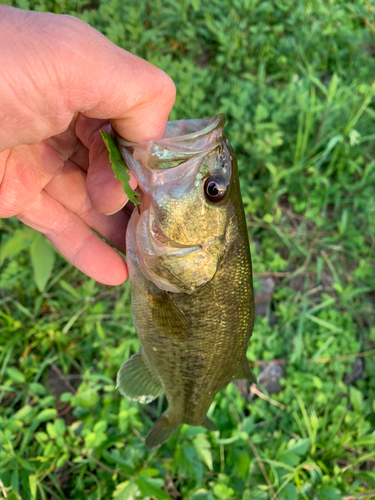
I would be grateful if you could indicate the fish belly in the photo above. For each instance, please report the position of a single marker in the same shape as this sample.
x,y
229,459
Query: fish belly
x,y
195,343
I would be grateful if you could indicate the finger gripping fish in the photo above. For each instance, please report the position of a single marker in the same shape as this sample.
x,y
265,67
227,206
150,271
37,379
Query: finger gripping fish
x,y
190,272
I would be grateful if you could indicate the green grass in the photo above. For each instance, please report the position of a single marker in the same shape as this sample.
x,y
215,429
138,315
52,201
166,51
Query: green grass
x,y
295,80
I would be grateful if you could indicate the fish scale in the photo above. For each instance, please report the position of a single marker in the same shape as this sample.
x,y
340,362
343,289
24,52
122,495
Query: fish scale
x,y
194,336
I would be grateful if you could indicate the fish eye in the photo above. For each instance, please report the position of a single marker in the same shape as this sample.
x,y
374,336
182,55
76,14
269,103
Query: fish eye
x,y
215,188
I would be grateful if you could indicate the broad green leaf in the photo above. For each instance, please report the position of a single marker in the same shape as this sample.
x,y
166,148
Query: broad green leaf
x,y
115,457
60,426
37,388
330,493
26,466
15,375
13,496
203,494
356,399
248,424
20,240
363,428
24,413
15,476
24,480
223,492
290,492
300,447
66,397
63,458
268,218
150,472
194,463
118,166
124,491
50,428
45,415
100,426
150,490
203,449
86,398
33,483
242,466
288,457
42,260
95,439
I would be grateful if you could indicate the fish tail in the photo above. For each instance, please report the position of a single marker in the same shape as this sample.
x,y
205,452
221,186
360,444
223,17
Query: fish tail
x,y
162,430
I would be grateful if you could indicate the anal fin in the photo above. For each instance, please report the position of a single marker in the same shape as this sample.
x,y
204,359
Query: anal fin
x,y
244,372
137,381
161,431
210,425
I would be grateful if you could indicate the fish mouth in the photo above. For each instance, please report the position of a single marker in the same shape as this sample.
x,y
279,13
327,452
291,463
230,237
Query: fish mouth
x,y
173,248
183,140
184,251
192,130
170,265
152,241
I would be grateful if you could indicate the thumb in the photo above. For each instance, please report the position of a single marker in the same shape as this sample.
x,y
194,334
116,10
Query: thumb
x,y
135,95
54,66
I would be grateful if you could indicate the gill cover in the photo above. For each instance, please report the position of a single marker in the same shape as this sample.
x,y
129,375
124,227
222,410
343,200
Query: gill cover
x,y
178,233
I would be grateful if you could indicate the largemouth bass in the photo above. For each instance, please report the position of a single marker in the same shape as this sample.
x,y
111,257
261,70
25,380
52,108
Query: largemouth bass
x,y
190,272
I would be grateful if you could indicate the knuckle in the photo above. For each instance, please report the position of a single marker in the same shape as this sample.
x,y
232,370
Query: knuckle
x,y
5,205
165,89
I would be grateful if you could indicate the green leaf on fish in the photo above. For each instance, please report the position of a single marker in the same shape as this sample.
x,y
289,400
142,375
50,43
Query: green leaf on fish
x,y
119,166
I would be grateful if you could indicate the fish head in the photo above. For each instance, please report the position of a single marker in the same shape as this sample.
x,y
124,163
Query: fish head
x,y
183,227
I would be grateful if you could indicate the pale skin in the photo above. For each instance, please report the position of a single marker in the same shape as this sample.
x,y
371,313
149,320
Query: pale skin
x,y
61,82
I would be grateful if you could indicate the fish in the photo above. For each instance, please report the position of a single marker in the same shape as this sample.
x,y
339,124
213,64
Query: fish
x,y
190,272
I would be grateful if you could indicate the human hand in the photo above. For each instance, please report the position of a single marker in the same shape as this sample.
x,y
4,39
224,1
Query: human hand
x,y
61,82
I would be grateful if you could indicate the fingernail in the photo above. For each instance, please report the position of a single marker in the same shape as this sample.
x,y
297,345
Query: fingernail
x,y
115,212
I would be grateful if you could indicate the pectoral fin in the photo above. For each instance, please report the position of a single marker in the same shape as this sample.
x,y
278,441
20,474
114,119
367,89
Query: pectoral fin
x,y
137,381
244,372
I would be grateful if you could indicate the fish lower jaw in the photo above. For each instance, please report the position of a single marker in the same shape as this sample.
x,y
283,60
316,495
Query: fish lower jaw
x,y
180,252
